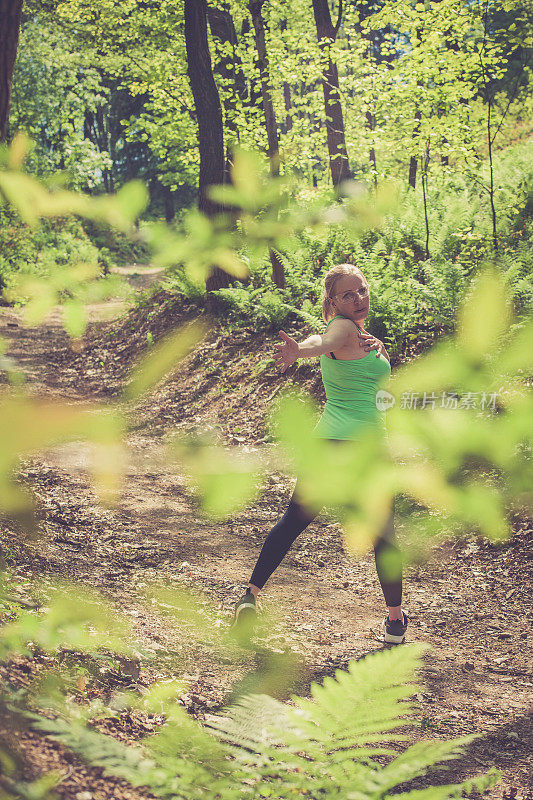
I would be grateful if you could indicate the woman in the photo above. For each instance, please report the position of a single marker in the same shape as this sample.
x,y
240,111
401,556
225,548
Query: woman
x,y
351,378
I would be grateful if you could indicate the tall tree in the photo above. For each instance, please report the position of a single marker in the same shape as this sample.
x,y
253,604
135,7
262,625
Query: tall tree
x,y
10,14
327,33
209,117
413,160
372,55
271,124
229,67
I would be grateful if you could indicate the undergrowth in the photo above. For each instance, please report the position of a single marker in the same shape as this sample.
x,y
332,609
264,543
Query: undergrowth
x,y
345,741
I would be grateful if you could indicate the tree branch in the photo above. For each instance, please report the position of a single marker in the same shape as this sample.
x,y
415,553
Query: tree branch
x,y
522,67
339,20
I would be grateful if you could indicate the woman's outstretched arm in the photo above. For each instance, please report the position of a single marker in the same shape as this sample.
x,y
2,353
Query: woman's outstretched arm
x,y
289,350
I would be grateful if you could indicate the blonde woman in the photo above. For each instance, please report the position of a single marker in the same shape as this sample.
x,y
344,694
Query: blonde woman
x,y
352,373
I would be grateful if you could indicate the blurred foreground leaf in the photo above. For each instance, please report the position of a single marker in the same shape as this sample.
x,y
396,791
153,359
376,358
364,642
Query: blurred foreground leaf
x,y
33,200
73,617
224,480
29,426
162,358
484,316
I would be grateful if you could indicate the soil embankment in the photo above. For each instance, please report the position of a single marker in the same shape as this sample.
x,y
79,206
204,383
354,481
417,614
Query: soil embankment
x,y
469,602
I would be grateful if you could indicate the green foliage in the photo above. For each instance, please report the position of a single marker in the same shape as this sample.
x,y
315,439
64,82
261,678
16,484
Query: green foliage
x,y
262,307
224,481
332,744
111,84
39,274
461,499
466,470
115,247
87,625
57,88
410,295
63,619
339,741
56,244
160,360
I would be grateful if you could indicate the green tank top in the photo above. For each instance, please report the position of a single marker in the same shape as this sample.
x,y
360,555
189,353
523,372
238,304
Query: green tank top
x,y
351,388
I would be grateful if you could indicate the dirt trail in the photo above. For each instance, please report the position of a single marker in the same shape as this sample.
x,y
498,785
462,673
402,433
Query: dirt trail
x,y
468,602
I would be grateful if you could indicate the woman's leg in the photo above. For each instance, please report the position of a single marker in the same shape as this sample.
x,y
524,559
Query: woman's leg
x,y
389,568
296,519
279,541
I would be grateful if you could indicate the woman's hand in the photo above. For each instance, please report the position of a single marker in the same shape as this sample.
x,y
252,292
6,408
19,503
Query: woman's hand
x,y
287,351
371,343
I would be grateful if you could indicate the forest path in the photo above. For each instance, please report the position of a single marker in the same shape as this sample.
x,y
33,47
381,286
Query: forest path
x,y
467,602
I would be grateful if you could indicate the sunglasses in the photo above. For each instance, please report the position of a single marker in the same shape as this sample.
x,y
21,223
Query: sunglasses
x,y
359,295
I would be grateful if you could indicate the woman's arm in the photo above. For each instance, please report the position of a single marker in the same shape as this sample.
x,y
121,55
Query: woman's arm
x,y
313,346
336,336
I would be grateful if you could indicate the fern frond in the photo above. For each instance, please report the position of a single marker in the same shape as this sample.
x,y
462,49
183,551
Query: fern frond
x,y
328,742
416,760
478,784
169,773
115,757
362,705
431,793
329,746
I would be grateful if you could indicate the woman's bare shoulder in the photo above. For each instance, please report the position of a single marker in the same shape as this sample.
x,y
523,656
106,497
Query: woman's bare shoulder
x,y
341,330
342,323
343,337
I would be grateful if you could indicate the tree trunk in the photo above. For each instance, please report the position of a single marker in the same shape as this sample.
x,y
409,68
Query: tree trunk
x,y
223,30
418,117
288,106
168,199
10,13
491,193
271,125
372,52
103,143
412,172
327,33
266,94
371,125
412,163
209,116
424,176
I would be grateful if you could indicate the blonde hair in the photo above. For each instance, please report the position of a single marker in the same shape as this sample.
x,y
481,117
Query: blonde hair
x,y
330,279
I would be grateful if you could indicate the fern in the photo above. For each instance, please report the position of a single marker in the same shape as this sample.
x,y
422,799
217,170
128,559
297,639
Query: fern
x,y
331,745
173,764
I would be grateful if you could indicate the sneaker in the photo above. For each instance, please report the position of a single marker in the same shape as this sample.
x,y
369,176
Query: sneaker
x,y
245,614
394,630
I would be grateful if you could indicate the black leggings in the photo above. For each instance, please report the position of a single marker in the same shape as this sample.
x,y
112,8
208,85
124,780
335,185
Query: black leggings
x,y
297,518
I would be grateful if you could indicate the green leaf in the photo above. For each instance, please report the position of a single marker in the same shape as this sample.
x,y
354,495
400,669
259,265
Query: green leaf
x,y
132,199
32,425
75,617
225,480
23,193
485,316
162,358
229,261
43,299
246,173
18,150
518,355
74,318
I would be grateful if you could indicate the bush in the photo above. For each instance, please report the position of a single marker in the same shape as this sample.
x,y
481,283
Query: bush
x,y
119,248
38,251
